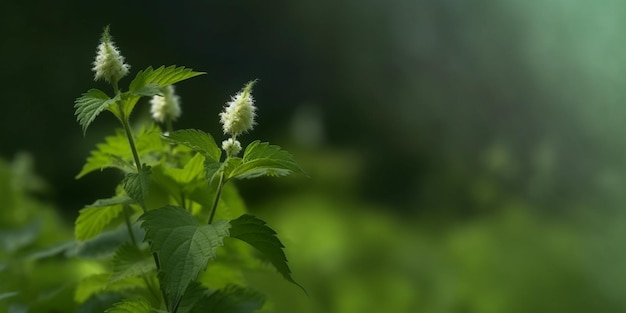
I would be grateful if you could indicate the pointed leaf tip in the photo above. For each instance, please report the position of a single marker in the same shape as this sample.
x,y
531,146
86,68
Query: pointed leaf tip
x,y
256,233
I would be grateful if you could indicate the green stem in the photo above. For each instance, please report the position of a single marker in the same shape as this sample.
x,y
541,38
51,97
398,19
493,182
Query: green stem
x,y
168,126
116,89
131,142
133,148
217,197
129,226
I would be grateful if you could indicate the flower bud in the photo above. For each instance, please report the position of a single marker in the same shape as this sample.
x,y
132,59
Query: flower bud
x,y
165,107
239,113
109,63
231,146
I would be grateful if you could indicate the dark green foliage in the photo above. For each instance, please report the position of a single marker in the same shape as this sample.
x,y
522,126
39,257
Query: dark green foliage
x,y
261,158
253,230
181,169
114,151
137,185
232,299
197,140
147,82
94,218
129,261
183,245
131,306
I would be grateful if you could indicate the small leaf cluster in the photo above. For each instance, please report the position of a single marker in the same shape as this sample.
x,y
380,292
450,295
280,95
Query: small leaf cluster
x,y
170,215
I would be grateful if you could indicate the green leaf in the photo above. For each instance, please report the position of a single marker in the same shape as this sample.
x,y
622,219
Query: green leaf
x,y
232,299
89,105
149,80
194,293
99,283
127,103
229,207
129,261
115,151
130,306
94,218
177,182
192,172
184,246
253,230
197,140
149,90
212,169
137,185
105,244
261,159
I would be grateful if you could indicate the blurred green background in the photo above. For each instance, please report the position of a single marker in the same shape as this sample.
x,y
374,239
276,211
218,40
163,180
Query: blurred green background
x,y
465,156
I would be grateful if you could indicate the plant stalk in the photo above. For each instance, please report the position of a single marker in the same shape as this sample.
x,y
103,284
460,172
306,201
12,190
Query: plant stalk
x,y
131,142
217,197
133,148
131,234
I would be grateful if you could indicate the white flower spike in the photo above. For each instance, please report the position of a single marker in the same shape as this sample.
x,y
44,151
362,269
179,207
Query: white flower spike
x,y
166,107
109,63
231,146
239,113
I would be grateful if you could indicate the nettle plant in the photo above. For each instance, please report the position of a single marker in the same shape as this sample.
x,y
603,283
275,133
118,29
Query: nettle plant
x,y
176,196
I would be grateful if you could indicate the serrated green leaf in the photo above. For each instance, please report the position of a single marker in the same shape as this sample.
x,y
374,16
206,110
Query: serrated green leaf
x,y
137,185
197,140
149,90
232,299
194,293
149,78
94,218
129,261
255,232
115,151
263,159
130,306
183,245
90,105
148,83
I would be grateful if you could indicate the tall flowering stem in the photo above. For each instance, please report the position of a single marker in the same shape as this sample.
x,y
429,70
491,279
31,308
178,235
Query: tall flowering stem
x,y
109,65
237,118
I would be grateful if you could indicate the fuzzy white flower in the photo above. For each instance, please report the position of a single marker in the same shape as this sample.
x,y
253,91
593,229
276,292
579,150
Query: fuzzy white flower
x,y
165,107
109,63
231,146
239,113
